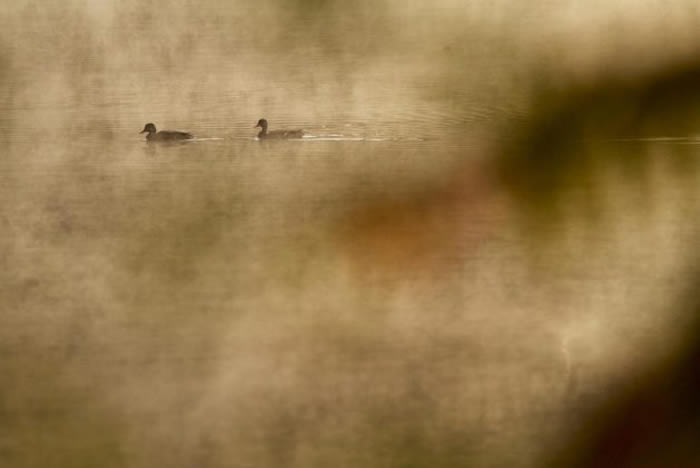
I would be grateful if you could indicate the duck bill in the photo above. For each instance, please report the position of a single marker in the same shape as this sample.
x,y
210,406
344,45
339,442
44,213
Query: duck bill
x,y
142,131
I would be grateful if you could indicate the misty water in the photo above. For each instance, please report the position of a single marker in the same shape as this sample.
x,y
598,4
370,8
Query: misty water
x,y
369,295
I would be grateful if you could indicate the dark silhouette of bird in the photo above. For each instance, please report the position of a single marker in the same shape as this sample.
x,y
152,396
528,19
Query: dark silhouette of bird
x,y
277,134
164,135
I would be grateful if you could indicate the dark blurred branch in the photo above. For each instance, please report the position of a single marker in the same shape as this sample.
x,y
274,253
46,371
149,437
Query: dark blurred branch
x,y
568,126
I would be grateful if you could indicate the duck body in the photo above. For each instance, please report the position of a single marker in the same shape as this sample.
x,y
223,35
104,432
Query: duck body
x,y
164,135
277,134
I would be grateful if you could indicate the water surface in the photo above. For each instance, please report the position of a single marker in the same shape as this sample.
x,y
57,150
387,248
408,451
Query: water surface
x,y
372,295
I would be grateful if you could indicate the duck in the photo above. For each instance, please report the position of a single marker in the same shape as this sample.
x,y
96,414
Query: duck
x,y
164,135
277,134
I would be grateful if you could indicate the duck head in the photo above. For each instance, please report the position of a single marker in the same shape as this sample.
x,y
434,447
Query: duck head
x,y
149,128
262,123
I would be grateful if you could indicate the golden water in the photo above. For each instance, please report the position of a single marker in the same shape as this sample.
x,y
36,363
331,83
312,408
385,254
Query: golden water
x,y
368,296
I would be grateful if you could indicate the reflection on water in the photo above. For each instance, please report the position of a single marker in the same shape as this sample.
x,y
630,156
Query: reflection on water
x,y
372,294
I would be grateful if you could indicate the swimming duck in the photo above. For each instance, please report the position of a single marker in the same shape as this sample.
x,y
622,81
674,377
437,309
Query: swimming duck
x,y
279,134
164,135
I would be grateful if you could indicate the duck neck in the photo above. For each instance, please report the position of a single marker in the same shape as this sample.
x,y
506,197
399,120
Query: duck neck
x,y
263,131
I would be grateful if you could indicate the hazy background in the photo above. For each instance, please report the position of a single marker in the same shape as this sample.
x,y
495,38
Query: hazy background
x,y
490,229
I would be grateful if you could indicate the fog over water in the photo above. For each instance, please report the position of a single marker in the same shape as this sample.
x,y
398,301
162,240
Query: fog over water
x,y
487,231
